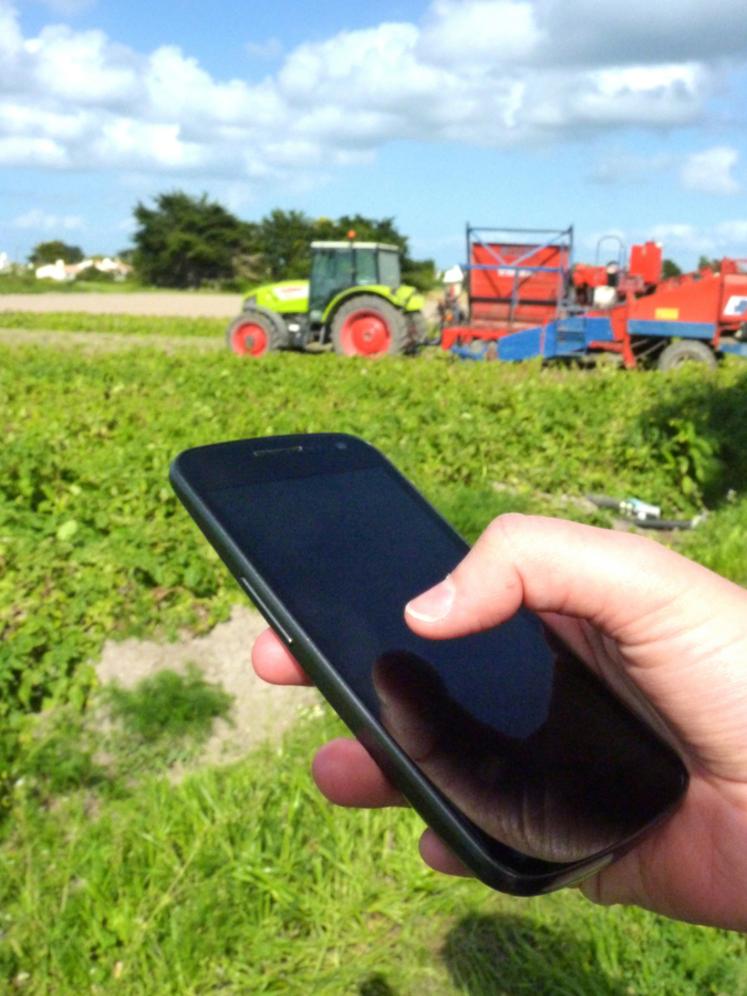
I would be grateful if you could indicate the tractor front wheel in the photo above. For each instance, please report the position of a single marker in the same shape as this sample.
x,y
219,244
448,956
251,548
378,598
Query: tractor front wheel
x,y
369,326
686,351
255,333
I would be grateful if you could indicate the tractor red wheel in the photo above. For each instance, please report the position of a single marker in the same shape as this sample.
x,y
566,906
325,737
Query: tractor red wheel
x,y
369,326
249,339
365,333
255,333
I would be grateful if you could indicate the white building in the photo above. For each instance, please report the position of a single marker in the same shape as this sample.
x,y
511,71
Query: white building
x,y
61,271
54,271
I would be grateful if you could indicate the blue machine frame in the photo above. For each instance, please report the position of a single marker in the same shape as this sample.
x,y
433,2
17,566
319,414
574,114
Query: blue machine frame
x,y
565,337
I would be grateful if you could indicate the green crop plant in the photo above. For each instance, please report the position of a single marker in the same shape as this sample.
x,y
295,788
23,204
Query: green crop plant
x,y
94,545
241,879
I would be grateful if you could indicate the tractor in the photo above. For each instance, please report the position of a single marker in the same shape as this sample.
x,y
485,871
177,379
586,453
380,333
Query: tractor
x,y
353,302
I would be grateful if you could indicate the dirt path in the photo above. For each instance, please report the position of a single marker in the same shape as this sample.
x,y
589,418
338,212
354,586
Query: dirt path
x,y
107,342
260,712
185,304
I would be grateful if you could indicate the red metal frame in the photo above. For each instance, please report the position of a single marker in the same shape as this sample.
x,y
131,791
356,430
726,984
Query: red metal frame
x,y
513,285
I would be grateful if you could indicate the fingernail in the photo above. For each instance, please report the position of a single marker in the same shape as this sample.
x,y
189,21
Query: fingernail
x,y
433,604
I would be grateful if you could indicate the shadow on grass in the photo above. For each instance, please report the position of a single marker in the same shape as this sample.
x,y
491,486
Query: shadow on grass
x,y
509,956
698,434
169,705
375,985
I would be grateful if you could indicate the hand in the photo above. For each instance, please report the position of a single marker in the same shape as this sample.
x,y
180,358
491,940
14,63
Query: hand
x,y
666,634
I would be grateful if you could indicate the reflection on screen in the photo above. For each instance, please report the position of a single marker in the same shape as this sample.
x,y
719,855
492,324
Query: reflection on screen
x,y
508,726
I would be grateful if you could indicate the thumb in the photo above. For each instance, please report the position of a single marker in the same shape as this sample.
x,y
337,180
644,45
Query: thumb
x,y
615,581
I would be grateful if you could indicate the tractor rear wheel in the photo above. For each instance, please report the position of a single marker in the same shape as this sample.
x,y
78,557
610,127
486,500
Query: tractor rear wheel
x,y
369,326
255,333
686,351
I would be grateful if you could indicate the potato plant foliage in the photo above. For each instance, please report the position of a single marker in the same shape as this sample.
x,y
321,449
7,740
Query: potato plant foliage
x,y
94,545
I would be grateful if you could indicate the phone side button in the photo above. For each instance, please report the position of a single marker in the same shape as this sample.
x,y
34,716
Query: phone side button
x,y
269,616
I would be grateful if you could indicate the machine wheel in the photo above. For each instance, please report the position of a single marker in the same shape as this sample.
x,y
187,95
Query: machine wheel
x,y
369,326
686,351
255,333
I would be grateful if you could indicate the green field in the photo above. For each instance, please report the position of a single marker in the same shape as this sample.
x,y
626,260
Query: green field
x,y
240,879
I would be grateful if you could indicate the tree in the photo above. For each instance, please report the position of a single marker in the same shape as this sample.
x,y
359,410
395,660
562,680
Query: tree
x,y
187,241
284,239
184,241
50,252
670,269
705,263
421,273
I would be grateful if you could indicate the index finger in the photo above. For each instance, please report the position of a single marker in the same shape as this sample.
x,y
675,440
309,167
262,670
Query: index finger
x,y
274,663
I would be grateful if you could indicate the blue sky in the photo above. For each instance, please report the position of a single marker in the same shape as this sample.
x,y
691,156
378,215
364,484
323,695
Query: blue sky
x,y
622,118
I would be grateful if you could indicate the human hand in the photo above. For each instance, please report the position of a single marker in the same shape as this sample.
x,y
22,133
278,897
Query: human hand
x,y
667,635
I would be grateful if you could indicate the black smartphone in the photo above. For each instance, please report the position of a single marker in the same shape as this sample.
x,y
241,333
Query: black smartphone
x,y
519,758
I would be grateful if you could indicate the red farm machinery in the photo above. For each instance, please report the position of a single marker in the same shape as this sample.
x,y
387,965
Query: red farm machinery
x,y
526,298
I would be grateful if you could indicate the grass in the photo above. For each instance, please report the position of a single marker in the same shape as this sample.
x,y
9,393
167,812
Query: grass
x,y
240,879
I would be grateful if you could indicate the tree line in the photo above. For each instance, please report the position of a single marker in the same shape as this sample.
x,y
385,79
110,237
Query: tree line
x,y
185,241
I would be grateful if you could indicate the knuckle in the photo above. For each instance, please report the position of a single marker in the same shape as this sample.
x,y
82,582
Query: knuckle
x,y
504,530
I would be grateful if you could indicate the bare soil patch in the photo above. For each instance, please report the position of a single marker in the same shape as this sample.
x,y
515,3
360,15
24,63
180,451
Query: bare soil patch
x,y
106,342
185,304
261,712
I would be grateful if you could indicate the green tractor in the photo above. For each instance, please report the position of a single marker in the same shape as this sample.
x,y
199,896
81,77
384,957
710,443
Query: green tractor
x,y
354,302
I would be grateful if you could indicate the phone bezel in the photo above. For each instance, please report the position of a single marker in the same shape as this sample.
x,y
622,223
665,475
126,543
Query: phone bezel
x,y
196,473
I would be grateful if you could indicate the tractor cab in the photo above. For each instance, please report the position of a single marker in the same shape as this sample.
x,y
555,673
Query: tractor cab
x,y
335,266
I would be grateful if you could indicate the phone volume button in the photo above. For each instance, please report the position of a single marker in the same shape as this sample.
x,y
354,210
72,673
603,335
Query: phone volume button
x,y
266,612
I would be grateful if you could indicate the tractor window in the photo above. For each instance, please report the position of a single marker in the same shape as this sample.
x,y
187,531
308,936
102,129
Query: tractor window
x,y
389,274
331,272
365,267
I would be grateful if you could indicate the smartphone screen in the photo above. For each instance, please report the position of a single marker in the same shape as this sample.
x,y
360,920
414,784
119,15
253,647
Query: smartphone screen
x,y
507,724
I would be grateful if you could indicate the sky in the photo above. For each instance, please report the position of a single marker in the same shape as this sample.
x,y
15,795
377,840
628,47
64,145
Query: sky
x,y
625,119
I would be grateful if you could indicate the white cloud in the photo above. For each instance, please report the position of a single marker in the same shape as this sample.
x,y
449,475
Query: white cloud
x,y
11,40
624,167
82,67
21,150
676,236
68,8
734,231
680,240
640,31
483,31
489,72
710,171
269,49
43,221
721,239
